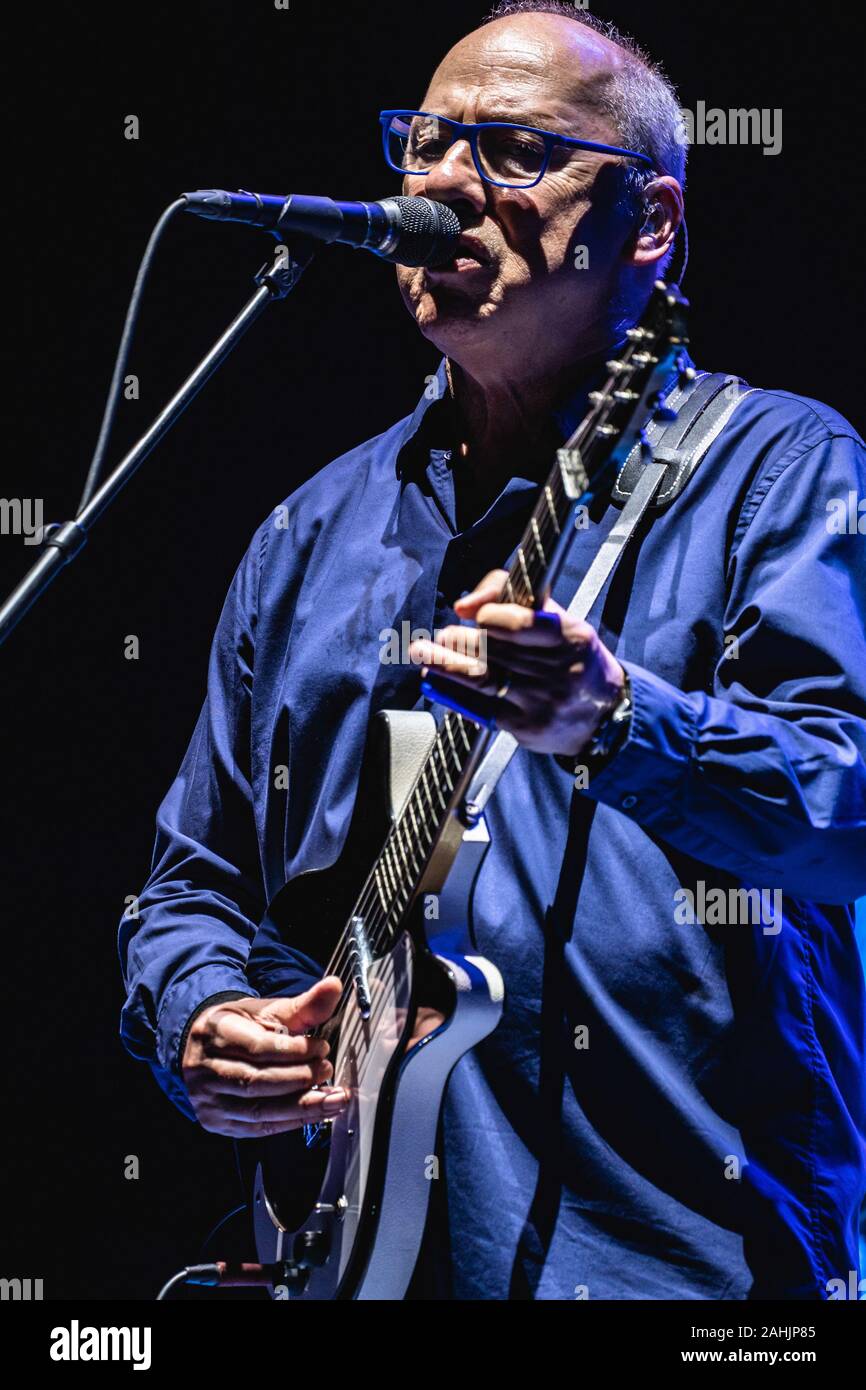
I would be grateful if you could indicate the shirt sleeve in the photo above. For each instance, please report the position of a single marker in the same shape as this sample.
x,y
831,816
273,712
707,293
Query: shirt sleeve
x,y
765,775
200,908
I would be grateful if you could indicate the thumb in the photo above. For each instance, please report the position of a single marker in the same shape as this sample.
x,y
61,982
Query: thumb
x,y
309,1009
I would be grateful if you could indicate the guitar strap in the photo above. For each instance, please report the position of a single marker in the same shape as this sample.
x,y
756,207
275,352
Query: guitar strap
x,y
704,406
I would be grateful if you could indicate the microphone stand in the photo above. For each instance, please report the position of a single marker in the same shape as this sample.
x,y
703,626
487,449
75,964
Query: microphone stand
x,y
63,541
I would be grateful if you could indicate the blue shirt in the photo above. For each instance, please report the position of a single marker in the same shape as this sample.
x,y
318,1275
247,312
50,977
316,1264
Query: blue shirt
x,y
671,1107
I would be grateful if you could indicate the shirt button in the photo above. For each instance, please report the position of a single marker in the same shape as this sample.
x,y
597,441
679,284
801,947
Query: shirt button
x,y
628,803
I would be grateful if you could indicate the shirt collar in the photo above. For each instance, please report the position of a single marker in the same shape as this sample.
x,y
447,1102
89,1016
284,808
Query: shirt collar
x,y
426,429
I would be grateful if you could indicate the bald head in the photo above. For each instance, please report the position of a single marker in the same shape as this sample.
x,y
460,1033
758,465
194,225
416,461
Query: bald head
x,y
538,69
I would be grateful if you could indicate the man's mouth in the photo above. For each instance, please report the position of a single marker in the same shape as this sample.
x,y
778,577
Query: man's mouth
x,y
470,255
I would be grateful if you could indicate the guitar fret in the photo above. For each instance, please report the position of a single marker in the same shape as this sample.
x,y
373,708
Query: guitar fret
x,y
539,547
444,761
443,800
389,870
406,846
384,896
399,899
415,855
522,561
398,876
450,733
427,789
395,836
411,809
548,497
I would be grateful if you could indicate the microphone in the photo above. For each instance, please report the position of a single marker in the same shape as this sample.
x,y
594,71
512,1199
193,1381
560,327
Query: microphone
x,y
406,231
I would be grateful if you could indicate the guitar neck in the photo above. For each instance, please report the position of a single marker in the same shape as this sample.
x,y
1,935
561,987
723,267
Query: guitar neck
x,y
426,836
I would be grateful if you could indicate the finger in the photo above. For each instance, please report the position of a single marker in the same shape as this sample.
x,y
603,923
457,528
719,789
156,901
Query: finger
x,y
510,621
236,1035
468,641
313,1107
261,1110
239,1078
307,1010
289,1048
450,662
488,591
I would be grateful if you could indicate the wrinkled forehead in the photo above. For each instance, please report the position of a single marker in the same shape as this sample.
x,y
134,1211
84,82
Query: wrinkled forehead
x,y
538,69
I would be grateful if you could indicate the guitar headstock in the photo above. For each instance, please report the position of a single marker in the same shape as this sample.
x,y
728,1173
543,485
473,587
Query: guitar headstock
x,y
631,397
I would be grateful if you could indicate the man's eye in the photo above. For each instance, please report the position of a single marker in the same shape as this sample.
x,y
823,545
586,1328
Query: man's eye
x,y
522,153
429,148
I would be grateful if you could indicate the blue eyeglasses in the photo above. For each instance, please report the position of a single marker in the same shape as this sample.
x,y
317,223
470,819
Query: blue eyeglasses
x,y
506,155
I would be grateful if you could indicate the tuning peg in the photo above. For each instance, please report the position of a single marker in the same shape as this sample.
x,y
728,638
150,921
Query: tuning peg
x,y
687,374
616,368
599,398
626,397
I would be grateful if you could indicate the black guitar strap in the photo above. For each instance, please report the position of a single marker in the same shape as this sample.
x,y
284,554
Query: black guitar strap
x,y
704,406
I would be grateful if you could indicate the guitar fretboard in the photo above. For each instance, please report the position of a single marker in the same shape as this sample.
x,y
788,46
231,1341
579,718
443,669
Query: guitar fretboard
x,y
601,443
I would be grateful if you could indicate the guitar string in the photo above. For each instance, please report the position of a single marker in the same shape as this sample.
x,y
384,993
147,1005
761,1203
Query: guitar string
x,y
372,1022
394,846
382,930
520,582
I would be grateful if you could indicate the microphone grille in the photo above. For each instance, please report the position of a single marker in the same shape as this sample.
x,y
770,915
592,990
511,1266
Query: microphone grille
x,y
428,232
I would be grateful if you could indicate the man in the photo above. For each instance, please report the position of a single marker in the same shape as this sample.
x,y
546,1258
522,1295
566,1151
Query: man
x,y
670,1107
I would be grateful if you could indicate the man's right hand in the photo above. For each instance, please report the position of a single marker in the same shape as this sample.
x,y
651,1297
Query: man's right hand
x,y
248,1066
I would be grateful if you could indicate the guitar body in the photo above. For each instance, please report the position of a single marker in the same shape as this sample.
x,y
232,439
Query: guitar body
x,y
342,1206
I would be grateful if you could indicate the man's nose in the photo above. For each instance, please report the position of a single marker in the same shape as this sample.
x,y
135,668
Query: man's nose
x,y
456,180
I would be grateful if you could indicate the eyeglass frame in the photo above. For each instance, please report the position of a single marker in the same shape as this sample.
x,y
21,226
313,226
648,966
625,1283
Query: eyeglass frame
x,y
469,133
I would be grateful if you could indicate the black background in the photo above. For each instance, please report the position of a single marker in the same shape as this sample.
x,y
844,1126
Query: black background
x,y
243,95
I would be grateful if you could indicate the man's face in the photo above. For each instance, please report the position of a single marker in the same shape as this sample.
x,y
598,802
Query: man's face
x,y
519,281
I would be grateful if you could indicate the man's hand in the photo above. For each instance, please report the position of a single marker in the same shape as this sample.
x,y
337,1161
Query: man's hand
x,y
554,678
248,1066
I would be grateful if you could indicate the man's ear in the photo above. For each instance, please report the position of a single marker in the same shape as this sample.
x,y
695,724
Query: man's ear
x,y
661,216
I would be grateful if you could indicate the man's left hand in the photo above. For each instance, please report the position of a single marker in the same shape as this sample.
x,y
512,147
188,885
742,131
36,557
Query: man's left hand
x,y
543,676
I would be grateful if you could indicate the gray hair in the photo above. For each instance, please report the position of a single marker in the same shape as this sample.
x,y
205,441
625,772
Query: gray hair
x,y
639,99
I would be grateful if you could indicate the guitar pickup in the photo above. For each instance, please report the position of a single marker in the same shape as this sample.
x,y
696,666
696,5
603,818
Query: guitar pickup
x,y
360,961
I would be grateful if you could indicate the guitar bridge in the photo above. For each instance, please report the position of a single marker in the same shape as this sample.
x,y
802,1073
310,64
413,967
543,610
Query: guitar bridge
x,y
360,961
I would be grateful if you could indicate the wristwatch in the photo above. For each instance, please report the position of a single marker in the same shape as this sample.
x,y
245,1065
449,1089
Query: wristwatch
x,y
607,740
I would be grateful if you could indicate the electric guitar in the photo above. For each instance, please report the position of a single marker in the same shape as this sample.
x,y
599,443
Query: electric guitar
x,y
340,1207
